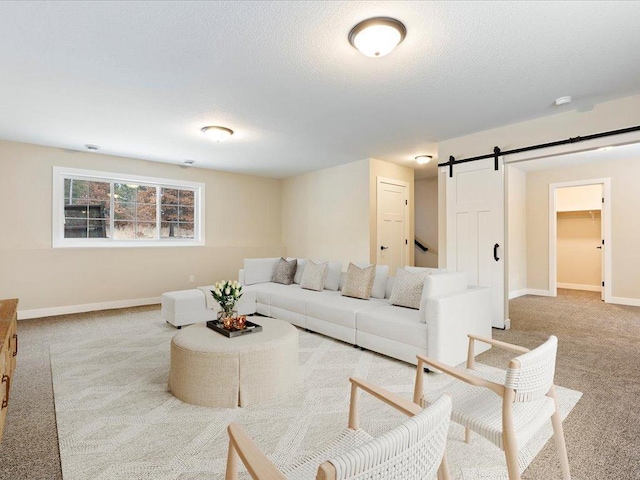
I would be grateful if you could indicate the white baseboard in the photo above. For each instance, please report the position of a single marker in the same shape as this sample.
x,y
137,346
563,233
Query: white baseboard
x,y
87,307
577,286
517,293
634,302
540,293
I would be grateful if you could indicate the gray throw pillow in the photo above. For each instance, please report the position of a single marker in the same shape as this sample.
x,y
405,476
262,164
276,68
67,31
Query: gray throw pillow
x,y
358,282
314,276
407,289
285,271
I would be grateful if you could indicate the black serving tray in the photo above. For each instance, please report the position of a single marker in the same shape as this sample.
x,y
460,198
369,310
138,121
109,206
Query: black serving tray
x,y
218,327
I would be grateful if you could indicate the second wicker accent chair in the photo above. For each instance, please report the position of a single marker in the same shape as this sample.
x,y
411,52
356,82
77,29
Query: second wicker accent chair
x,y
415,450
507,408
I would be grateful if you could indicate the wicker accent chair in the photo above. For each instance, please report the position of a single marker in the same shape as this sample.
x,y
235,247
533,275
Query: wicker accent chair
x,y
507,408
415,450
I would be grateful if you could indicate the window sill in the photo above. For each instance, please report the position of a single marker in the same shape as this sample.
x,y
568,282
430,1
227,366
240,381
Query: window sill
x,y
127,244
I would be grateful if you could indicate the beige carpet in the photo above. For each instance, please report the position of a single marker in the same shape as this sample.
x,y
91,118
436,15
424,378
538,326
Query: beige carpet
x,y
117,420
599,354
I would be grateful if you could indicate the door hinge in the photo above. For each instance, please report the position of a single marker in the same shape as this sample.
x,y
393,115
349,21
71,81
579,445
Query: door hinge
x,y
603,241
602,199
406,242
603,284
406,202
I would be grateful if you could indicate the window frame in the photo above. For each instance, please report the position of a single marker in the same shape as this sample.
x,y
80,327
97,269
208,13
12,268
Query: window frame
x,y
60,174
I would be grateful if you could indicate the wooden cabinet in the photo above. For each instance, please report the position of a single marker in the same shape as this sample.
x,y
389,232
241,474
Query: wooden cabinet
x,y
8,353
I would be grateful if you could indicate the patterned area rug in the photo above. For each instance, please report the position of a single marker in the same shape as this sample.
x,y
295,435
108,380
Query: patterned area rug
x,y
117,420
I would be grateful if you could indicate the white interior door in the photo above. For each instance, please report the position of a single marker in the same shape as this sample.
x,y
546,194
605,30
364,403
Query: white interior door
x,y
475,229
392,221
602,245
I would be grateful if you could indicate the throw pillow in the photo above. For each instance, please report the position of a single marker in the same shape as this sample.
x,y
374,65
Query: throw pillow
x,y
334,273
314,276
299,270
358,282
285,271
381,280
407,289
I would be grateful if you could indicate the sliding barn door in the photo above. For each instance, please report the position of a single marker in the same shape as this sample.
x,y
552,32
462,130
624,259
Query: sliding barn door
x,y
475,229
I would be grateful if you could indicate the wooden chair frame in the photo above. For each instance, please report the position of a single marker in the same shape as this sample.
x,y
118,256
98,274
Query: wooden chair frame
x,y
508,397
241,447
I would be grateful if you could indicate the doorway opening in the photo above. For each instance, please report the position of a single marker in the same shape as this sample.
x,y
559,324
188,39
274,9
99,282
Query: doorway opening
x,y
579,236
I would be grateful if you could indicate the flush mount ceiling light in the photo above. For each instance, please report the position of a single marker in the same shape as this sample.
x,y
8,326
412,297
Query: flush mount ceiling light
x,y
563,100
423,159
217,134
376,37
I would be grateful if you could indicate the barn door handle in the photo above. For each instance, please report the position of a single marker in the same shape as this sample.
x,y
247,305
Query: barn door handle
x,y
5,402
495,252
382,247
15,335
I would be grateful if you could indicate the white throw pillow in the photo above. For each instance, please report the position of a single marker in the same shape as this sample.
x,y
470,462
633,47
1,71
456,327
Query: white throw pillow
x,y
333,276
299,270
407,289
380,282
259,270
314,276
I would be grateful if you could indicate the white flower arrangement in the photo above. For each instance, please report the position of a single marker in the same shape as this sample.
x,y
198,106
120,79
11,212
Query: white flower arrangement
x,y
227,293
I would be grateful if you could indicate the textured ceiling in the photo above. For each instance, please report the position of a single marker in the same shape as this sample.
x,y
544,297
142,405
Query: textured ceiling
x,y
140,79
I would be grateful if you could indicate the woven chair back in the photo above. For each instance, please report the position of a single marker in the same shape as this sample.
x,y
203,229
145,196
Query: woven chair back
x,y
411,451
534,378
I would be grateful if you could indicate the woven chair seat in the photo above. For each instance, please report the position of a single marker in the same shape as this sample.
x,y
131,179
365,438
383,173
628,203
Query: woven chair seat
x,y
307,468
480,409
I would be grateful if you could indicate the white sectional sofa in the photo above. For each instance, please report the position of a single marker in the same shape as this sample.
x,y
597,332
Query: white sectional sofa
x,y
449,310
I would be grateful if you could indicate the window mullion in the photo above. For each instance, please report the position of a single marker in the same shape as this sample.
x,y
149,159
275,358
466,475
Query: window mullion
x,y
112,205
158,216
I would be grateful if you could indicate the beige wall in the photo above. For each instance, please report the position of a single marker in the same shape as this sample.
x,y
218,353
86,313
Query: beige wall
x,y
325,214
579,259
605,116
585,197
426,221
517,228
378,168
43,277
625,262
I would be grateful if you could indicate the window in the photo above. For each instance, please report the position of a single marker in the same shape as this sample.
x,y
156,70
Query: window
x,y
99,209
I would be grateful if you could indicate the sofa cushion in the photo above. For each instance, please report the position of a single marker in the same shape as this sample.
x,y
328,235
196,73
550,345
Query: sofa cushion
x,y
407,289
314,276
333,276
299,270
259,270
292,298
395,323
285,271
359,281
334,308
380,282
429,270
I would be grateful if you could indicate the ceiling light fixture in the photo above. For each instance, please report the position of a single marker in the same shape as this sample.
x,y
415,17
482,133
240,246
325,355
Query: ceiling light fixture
x,y
423,159
376,37
217,134
563,100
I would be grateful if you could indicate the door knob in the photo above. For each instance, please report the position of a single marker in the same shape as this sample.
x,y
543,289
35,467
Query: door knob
x,y
599,248
382,247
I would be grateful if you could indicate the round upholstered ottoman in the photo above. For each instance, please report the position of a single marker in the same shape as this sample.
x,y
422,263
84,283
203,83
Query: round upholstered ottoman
x,y
211,370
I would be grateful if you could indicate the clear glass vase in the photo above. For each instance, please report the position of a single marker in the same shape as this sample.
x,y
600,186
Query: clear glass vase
x,y
226,317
